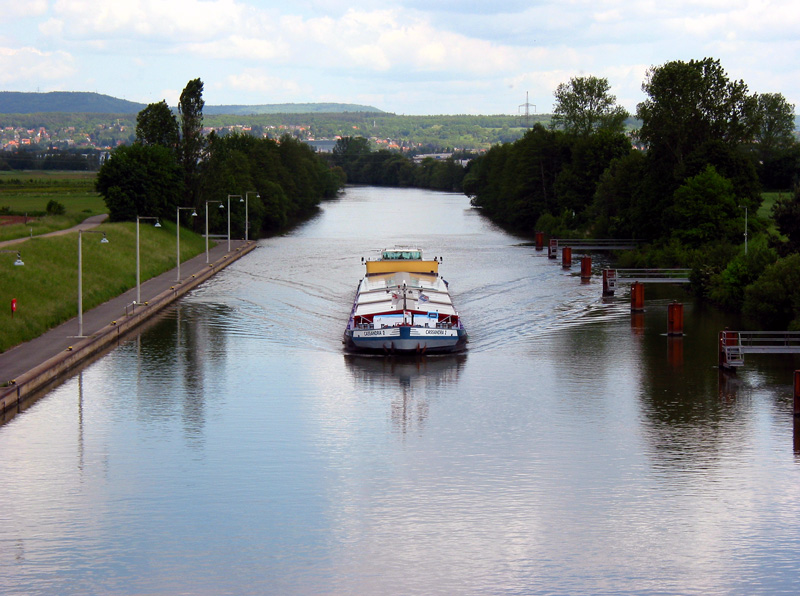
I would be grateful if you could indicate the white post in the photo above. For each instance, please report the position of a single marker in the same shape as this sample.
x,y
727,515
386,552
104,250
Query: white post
x,y
745,231
138,286
221,206
138,274
80,275
80,284
247,213
178,236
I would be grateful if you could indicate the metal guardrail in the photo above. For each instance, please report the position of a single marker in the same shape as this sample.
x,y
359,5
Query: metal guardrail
x,y
672,276
612,277
769,342
595,243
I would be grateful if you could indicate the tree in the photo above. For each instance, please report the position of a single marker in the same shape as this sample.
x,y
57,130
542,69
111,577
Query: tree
x,y
705,210
734,163
514,183
192,143
617,207
690,103
775,124
584,105
140,180
774,142
786,214
774,298
589,157
157,125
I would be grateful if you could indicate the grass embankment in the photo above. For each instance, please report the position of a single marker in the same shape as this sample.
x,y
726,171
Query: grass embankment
x,y
46,287
29,192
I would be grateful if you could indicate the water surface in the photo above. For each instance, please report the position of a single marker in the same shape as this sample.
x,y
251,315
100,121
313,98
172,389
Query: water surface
x,y
233,448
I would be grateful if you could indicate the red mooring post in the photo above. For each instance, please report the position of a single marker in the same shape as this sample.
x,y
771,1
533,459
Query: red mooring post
x,y
675,319
539,240
637,296
586,268
566,257
797,393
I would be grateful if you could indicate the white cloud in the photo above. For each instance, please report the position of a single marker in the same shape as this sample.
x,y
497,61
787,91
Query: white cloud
x,y
155,19
26,8
259,82
29,65
388,39
237,47
454,55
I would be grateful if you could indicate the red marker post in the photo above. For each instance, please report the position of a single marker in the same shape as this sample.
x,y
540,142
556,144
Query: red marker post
x,y
13,307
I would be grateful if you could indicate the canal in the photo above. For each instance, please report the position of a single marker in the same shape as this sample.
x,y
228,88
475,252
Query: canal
x,y
232,448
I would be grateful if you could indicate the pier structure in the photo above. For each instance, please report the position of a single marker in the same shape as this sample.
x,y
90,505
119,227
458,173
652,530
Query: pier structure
x,y
612,277
588,244
733,345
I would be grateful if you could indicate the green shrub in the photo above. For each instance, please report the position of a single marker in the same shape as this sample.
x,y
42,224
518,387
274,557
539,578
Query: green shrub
x,y
774,298
55,208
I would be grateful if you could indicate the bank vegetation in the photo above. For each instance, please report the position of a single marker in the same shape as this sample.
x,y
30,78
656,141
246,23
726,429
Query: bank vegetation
x,y
688,183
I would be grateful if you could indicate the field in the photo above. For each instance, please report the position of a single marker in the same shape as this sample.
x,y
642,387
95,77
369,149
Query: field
x,y
24,196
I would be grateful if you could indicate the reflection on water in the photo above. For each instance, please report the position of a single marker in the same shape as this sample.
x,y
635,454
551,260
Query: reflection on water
x,y
233,448
416,377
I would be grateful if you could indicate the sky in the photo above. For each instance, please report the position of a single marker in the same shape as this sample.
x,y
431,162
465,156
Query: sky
x,y
416,57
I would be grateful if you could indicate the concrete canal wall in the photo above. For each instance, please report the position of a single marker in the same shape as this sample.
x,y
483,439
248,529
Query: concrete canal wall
x,y
29,383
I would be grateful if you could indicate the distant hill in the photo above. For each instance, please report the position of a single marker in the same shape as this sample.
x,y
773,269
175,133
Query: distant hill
x,y
290,108
17,102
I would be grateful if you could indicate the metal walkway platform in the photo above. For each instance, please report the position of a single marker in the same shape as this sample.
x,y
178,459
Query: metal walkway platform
x,y
733,345
592,244
612,277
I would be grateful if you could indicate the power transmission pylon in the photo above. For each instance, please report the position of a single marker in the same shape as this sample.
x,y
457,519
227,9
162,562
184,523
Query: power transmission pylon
x,y
527,117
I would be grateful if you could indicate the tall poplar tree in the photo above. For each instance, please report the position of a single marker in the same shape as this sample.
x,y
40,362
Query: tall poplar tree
x,y
192,142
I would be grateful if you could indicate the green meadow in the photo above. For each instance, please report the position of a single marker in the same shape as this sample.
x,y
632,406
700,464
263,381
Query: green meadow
x,y
46,287
29,192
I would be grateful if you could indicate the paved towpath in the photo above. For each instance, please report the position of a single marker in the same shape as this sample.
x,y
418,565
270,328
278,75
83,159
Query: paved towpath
x,y
24,357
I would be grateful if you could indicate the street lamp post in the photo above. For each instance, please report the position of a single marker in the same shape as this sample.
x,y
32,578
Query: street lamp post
x,y
138,270
178,235
745,230
246,213
229,218
103,240
221,206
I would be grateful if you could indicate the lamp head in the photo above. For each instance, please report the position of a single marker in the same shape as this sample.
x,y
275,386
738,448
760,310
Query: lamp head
x,y
19,262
